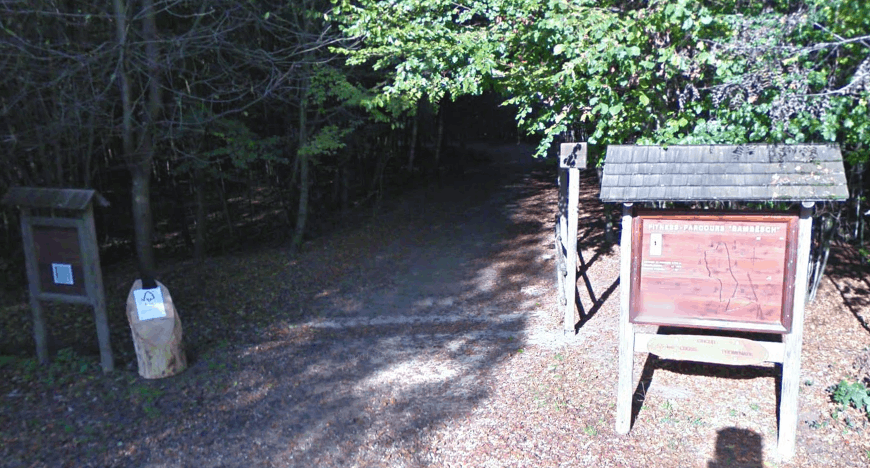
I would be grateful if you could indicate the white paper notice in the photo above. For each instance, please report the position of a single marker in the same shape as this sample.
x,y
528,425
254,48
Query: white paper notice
x,y
149,303
62,273
655,244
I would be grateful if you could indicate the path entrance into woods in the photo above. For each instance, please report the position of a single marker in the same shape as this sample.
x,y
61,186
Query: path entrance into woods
x,y
432,336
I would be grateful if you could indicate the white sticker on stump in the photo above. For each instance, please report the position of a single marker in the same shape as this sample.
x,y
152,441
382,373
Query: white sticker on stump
x,y
655,244
62,273
149,303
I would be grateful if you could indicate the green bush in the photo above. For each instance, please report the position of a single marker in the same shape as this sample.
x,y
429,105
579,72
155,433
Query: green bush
x,y
852,394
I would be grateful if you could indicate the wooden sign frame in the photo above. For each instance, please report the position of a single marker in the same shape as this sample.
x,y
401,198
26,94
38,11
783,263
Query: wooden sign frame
x,y
787,353
62,258
674,263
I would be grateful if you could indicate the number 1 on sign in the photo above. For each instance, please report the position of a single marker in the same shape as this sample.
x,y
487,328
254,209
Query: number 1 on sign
x,y
655,244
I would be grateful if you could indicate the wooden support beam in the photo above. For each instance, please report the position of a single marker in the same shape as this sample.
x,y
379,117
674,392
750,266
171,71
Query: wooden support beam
x,y
792,342
68,298
94,284
625,388
39,331
775,351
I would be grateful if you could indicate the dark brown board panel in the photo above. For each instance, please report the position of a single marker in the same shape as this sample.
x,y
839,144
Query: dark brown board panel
x,y
58,245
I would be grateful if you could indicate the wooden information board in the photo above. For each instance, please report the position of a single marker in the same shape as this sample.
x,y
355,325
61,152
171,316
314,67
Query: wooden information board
x,y
722,271
59,260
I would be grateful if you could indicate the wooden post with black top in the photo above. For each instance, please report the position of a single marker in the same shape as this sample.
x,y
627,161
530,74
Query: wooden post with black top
x,y
62,257
572,158
743,271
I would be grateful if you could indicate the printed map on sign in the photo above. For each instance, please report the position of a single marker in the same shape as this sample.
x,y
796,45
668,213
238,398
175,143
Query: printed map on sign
x,y
712,269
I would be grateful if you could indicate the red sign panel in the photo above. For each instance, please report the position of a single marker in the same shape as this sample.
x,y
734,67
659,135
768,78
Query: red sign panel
x,y
726,271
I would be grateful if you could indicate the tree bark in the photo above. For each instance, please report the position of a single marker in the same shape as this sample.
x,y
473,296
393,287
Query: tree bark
x,y
439,140
412,150
199,241
139,161
302,159
142,224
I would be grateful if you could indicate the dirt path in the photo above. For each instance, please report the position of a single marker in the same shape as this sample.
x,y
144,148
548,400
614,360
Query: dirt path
x,y
430,337
453,294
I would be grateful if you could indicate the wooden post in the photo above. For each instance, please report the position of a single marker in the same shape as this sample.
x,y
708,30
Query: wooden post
x,y
624,389
792,342
572,158
561,236
39,331
94,284
571,248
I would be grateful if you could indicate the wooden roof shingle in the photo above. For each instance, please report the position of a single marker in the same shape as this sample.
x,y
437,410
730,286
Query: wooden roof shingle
x,y
757,172
59,199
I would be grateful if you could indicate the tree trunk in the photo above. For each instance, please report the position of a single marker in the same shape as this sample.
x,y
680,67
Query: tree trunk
x,y
179,212
199,188
826,229
139,162
412,150
345,189
302,161
142,224
226,209
302,211
439,140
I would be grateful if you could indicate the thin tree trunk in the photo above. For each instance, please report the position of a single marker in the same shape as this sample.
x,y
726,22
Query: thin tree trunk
x,y
226,209
827,227
140,169
302,159
345,189
199,188
142,226
439,140
142,195
180,214
415,125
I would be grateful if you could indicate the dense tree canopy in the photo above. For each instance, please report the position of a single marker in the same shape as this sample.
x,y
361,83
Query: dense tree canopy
x,y
681,71
313,103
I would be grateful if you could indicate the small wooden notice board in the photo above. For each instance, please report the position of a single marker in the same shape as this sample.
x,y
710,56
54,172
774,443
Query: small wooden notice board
x,y
740,271
62,257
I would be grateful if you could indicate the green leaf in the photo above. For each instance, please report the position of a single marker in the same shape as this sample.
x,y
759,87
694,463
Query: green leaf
x,y
616,109
558,49
643,99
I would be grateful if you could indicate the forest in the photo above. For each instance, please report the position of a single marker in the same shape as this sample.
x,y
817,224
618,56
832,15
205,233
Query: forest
x,y
204,123
352,202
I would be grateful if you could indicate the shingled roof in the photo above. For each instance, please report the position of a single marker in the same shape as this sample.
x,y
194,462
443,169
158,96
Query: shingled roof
x,y
59,199
723,172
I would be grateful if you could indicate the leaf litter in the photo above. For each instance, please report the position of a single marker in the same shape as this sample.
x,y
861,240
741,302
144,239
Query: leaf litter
x,y
429,336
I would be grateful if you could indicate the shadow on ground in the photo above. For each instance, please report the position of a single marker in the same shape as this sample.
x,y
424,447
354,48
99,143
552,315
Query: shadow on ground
x,y
352,353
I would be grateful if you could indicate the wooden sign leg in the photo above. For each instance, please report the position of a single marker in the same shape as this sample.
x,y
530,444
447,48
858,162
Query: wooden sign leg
x,y
624,389
792,342
94,282
571,248
39,332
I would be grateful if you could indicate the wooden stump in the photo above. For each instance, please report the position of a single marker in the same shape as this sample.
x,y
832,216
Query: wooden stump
x,y
156,338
